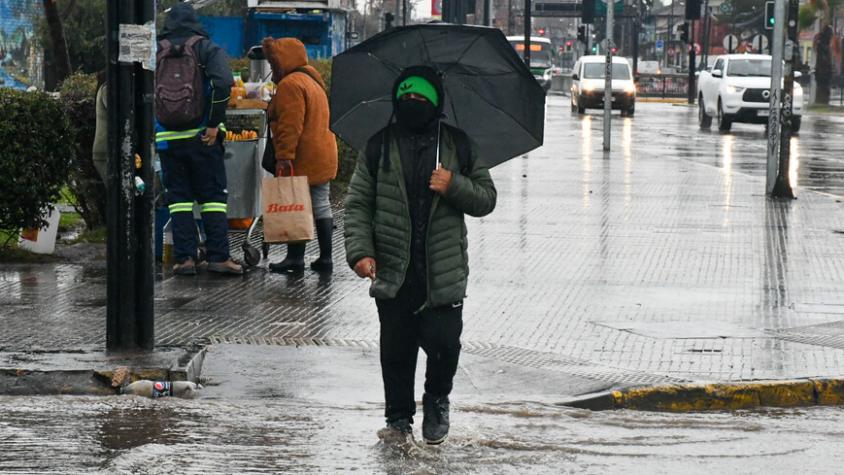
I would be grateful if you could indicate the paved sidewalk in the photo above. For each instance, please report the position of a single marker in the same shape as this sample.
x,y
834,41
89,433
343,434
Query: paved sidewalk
x,y
662,263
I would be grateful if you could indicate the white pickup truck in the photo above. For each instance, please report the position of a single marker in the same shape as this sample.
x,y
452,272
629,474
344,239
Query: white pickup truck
x,y
737,89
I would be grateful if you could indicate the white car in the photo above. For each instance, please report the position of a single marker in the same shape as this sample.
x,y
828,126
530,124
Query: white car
x,y
738,89
587,85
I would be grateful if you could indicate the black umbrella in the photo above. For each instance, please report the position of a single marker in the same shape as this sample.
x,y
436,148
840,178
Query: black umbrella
x,y
489,92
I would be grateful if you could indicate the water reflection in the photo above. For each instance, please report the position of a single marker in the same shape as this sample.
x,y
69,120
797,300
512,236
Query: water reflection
x,y
727,143
586,156
627,149
794,163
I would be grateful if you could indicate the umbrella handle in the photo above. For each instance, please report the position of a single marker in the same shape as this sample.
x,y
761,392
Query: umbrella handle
x,y
438,163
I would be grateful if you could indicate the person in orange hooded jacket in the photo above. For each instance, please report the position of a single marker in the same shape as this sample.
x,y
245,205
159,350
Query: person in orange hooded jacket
x,y
303,144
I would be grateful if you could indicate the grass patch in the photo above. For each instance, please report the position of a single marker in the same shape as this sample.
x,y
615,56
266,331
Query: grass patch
x,y
8,237
66,197
97,235
69,222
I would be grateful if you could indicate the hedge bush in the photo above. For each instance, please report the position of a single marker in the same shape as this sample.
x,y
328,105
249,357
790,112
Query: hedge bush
x,y
36,152
78,99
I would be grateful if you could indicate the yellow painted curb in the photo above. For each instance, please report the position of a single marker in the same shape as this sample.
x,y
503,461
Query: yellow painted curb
x,y
731,396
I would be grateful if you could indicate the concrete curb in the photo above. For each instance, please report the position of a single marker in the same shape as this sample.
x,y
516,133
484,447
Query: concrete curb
x,y
95,381
698,397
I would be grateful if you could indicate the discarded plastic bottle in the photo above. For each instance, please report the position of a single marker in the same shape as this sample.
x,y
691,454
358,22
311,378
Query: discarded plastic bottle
x,y
140,186
159,389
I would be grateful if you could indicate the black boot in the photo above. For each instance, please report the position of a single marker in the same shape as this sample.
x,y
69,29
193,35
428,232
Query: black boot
x,y
294,263
435,421
325,234
397,432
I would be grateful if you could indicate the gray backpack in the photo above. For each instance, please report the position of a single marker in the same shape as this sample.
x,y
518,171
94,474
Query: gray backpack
x,y
179,85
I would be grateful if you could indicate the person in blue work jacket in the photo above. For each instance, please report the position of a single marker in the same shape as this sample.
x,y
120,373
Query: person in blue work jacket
x,y
192,157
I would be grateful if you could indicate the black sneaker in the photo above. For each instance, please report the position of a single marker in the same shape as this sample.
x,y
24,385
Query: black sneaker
x,y
435,421
396,432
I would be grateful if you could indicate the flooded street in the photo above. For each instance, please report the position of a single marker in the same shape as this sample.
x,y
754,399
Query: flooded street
x,y
75,435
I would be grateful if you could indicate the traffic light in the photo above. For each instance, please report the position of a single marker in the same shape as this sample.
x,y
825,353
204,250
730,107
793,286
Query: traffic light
x,y
683,28
588,13
769,15
541,31
568,45
692,9
389,18
581,34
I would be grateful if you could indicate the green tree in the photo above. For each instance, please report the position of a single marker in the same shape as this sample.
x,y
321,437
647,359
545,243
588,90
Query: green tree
x,y
83,23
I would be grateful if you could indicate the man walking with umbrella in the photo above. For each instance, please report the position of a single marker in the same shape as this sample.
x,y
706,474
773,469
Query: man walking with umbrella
x,y
432,107
405,230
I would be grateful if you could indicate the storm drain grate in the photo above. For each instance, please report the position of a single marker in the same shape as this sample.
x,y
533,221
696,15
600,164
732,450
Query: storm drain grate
x,y
508,354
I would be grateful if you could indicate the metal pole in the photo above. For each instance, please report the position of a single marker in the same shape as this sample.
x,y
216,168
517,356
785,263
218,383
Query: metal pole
x,y
588,39
706,34
527,17
783,186
776,96
636,48
608,76
487,12
692,65
670,40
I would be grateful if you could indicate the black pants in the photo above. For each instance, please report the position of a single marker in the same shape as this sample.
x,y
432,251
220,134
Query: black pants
x,y
193,171
436,330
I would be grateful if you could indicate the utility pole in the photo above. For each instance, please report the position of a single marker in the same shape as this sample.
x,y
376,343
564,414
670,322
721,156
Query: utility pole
x,y
487,12
608,75
528,21
131,49
692,14
783,186
774,182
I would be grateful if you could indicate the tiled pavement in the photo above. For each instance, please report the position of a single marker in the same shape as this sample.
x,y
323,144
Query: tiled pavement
x,y
662,262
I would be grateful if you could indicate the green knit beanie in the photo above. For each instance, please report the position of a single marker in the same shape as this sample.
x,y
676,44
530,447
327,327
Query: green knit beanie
x,y
418,85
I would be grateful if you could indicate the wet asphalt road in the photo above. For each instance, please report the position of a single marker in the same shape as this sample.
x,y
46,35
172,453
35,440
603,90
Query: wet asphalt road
x,y
289,410
74,435
662,262
818,150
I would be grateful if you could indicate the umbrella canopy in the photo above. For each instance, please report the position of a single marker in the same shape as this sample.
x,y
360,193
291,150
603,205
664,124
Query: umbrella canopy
x,y
489,92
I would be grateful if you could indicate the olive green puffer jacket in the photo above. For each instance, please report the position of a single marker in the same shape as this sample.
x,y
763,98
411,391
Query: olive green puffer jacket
x,y
378,224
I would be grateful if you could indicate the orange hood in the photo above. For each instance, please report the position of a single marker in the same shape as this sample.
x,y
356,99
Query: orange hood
x,y
286,55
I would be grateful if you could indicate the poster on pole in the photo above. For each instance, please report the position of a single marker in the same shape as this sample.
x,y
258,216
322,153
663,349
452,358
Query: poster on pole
x,y
437,9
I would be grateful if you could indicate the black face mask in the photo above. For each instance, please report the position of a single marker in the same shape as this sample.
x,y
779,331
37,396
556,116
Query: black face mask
x,y
415,115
